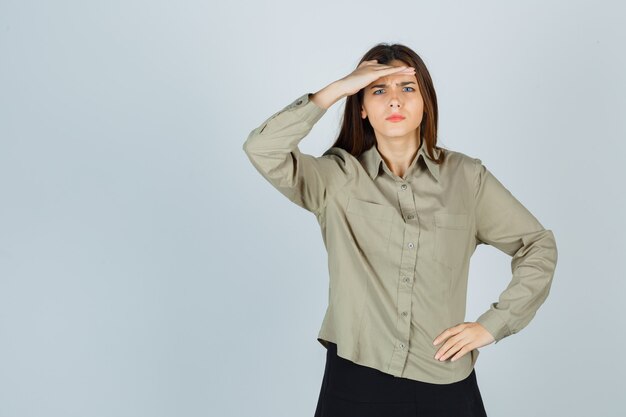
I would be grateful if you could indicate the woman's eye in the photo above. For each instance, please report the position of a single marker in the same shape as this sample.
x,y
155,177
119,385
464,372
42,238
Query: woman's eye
x,y
376,91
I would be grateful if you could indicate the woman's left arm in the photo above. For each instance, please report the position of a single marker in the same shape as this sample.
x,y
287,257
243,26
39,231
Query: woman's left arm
x,y
503,222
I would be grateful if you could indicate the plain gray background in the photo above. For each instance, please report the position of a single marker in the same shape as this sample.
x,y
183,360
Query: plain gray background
x,y
146,268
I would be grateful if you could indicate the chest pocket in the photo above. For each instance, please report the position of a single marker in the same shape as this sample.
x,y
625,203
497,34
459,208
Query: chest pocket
x,y
450,239
371,224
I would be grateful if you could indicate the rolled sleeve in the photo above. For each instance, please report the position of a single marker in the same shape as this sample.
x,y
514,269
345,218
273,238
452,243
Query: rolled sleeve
x,y
273,150
503,222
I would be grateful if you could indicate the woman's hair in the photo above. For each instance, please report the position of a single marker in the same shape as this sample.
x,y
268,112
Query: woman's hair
x,y
357,135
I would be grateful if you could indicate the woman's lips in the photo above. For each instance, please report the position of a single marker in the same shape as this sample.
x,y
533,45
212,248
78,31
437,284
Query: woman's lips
x,y
395,118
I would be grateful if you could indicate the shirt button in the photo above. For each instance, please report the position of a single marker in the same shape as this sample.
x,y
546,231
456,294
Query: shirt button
x,y
403,186
404,314
411,245
405,279
299,102
402,346
410,216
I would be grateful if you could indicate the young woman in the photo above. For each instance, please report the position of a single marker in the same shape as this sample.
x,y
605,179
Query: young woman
x,y
400,218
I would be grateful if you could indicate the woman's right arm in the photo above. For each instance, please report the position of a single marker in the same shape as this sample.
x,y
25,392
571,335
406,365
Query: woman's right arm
x,y
273,149
329,95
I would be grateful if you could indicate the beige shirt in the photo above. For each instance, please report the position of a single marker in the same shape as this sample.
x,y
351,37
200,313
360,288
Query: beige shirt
x,y
399,249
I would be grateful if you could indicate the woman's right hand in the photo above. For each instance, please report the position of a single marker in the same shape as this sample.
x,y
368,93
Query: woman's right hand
x,y
368,72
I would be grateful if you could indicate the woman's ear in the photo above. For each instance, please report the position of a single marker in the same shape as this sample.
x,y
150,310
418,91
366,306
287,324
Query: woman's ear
x,y
363,113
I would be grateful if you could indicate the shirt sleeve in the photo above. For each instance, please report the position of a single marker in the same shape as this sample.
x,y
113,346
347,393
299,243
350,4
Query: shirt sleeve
x,y
272,148
503,222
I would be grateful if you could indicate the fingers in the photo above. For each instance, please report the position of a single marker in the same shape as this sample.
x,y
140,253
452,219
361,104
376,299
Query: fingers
x,y
369,71
461,352
458,349
448,348
451,331
388,68
371,62
399,70
455,338
460,339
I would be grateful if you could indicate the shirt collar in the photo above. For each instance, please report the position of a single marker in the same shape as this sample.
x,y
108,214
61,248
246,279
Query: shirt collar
x,y
373,160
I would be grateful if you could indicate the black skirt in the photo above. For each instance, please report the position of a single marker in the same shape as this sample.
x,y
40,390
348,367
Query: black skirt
x,y
352,390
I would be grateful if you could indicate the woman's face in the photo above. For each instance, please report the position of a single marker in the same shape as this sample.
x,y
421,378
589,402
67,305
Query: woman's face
x,y
392,95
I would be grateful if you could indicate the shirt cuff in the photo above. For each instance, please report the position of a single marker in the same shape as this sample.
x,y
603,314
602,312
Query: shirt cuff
x,y
309,111
491,321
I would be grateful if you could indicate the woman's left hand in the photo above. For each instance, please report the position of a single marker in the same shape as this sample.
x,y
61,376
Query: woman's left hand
x,y
461,339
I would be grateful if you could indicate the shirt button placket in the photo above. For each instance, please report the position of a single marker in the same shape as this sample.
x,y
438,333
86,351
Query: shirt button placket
x,y
406,277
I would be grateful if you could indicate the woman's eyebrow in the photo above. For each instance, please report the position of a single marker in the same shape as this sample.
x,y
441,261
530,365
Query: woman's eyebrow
x,y
385,85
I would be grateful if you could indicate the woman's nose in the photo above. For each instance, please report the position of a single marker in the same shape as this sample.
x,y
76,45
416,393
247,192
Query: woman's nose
x,y
393,99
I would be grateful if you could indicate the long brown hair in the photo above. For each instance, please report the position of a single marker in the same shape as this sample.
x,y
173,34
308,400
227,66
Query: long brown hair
x,y
357,135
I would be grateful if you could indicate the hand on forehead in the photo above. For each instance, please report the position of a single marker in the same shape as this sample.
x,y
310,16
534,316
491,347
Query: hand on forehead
x,y
402,76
